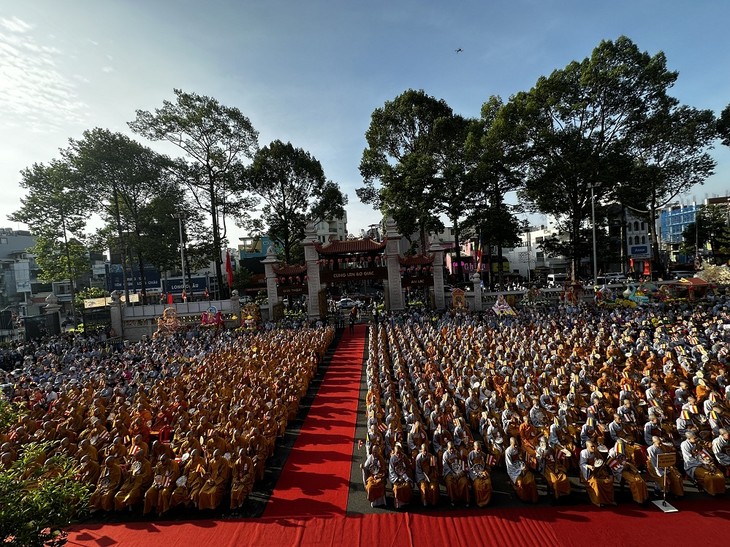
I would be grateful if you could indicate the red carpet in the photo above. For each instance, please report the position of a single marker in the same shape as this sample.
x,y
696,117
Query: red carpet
x,y
702,523
316,477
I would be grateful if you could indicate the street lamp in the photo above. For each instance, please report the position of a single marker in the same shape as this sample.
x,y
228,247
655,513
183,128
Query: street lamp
x,y
593,222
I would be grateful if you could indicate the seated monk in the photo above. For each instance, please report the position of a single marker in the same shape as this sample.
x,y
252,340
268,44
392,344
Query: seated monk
x,y
626,473
189,484
243,477
596,477
400,476
373,477
665,478
216,481
552,468
109,482
139,478
89,470
157,496
520,476
479,475
426,471
455,476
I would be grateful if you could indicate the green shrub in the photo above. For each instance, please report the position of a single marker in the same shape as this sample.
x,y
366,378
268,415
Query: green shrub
x,y
39,497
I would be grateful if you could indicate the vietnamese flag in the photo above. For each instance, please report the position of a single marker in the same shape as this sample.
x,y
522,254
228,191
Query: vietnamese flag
x,y
229,270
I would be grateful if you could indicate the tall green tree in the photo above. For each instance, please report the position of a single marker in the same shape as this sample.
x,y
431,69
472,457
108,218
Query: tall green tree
x,y
452,177
402,156
56,209
127,178
496,148
293,188
579,124
669,154
216,140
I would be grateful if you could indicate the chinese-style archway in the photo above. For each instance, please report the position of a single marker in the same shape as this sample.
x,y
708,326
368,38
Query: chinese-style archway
x,y
354,260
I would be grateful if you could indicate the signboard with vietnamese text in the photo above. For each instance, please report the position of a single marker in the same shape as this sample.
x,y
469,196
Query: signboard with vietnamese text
x,y
353,274
106,300
425,281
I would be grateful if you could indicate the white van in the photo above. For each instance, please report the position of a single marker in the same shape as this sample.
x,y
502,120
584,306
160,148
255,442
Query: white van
x,y
556,279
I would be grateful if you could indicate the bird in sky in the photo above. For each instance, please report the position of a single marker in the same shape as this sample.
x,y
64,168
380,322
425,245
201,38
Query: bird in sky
x,y
459,50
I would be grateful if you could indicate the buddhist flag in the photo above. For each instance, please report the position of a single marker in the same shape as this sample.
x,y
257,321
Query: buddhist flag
x,y
229,270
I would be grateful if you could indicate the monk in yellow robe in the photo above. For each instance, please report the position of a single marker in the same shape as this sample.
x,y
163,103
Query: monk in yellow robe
x,y
479,475
157,496
243,477
218,475
106,487
139,479
596,477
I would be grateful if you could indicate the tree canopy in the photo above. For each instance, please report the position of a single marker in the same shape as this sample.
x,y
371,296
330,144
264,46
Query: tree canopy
x,y
294,190
56,211
216,140
607,119
402,155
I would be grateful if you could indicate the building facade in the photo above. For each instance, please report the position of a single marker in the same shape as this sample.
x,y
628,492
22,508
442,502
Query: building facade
x,y
673,221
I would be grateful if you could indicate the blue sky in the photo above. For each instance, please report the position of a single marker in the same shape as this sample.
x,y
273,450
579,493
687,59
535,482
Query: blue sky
x,y
312,71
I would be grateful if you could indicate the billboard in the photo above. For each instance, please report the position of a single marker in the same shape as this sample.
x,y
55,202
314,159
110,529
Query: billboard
x,y
640,251
134,280
175,286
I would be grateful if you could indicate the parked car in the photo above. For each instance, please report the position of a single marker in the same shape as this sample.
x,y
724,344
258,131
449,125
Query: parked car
x,y
348,303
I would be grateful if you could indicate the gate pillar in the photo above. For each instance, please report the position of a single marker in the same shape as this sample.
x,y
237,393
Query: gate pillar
x,y
438,274
392,254
311,259
273,295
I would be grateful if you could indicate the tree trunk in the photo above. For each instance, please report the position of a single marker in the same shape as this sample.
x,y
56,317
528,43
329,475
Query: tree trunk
x,y
140,265
500,266
216,238
122,246
458,250
71,273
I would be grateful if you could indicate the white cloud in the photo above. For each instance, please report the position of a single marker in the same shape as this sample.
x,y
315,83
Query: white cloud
x,y
36,94
15,25
107,69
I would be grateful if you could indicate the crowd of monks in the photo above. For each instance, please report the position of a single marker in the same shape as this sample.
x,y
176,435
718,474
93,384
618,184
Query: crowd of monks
x,y
635,398
178,421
